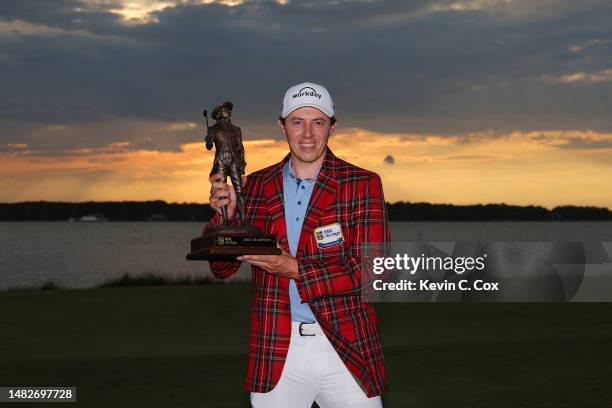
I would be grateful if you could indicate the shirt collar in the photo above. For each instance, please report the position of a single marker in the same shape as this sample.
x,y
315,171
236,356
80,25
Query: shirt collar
x,y
288,172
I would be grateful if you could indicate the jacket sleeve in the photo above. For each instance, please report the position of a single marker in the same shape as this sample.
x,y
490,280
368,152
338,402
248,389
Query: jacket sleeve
x,y
341,274
223,269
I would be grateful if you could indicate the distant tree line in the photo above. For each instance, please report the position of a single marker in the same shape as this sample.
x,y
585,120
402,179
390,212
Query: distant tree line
x,y
400,211
112,210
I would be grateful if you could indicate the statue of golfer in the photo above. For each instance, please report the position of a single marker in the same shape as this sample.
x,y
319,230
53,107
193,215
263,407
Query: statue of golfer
x,y
229,154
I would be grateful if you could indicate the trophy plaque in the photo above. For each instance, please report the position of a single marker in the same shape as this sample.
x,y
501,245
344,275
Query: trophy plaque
x,y
225,241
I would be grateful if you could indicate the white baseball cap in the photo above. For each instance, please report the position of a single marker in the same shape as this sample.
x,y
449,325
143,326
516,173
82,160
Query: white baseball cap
x,y
307,94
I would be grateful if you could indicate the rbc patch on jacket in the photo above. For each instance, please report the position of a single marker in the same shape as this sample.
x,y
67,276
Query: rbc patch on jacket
x,y
329,235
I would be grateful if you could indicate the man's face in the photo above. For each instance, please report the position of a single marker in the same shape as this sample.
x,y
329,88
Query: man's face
x,y
307,130
224,113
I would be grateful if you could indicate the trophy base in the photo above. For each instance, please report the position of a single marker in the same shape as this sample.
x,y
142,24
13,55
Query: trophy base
x,y
224,245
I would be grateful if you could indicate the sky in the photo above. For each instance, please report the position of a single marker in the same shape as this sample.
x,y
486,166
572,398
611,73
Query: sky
x,y
463,102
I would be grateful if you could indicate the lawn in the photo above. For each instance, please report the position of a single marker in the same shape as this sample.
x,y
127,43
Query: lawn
x,y
185,346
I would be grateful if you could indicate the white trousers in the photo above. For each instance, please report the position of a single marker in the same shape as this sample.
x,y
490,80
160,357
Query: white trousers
x,y
313,371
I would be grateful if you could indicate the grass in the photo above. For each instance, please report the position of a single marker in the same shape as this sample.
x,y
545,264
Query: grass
x,y
155,280
186,345
147,279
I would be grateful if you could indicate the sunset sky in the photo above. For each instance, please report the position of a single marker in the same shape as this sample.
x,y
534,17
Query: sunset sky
x,y
465,101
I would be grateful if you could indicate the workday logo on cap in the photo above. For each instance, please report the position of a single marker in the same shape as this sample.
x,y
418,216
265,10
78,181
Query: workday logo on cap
x,y
307,94
306,91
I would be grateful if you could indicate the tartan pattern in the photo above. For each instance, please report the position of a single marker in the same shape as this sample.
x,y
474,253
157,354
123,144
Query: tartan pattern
x,y
329,278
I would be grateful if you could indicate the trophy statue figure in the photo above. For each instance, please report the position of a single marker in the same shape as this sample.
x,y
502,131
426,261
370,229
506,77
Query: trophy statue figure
x,y
229,153
224,241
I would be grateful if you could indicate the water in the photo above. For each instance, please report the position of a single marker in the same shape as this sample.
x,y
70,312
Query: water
x,y
77,255
80,255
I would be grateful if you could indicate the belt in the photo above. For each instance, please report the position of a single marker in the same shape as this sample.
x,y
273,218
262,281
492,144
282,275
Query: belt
x,y
306,329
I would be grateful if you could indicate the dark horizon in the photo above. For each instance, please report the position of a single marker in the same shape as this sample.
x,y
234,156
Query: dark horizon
x,y
159,210
477,101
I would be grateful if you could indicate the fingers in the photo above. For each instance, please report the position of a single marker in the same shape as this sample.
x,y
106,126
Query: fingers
x,y
262,265
266,261
266,265
219,185
217,181
232,194
217,202
219,192
219,197
223,190
258,258
215,177
222,194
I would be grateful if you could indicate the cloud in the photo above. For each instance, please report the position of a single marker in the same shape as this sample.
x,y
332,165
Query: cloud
x,y
181,126
506,12
581,140
473,157
588,77
585,143
594,43
75,138
144,11
87,74
19,29
547,167
15,29
17,145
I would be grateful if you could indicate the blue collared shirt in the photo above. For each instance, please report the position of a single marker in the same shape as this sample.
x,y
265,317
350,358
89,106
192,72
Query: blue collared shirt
x,y
296,194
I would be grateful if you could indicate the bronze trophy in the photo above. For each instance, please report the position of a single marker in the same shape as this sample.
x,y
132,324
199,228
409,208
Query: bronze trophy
x,y
226,241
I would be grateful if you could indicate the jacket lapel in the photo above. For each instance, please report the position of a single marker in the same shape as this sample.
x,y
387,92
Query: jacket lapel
x,y
273,195
323,194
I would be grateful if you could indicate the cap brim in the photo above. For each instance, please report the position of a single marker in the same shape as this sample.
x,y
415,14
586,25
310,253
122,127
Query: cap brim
x,y
310,105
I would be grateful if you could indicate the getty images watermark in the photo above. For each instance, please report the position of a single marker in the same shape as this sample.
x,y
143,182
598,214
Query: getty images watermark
x,y
487,271
410,264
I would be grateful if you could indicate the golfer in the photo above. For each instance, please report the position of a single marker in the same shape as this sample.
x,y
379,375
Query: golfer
x,y
312,336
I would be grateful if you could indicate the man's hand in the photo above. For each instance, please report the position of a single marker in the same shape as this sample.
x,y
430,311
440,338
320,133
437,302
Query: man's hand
x,y
222,194
209,141
282,265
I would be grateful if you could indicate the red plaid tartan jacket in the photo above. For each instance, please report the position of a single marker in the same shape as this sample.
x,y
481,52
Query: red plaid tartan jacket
x,y
329,278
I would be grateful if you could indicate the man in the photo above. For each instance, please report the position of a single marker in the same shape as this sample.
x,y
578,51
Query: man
x,y
229,151
312,336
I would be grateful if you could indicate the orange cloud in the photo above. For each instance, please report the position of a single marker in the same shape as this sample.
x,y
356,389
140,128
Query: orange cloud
x,y
578,77
547,167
